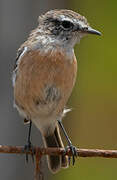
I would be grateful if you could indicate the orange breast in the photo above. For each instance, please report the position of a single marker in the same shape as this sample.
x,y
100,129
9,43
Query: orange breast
x,y
44,83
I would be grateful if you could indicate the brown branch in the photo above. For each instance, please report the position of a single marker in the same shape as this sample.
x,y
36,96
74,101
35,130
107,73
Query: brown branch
x,y
39,152
58,151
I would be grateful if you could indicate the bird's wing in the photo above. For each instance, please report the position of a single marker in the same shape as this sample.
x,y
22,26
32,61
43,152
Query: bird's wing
x,y
19,52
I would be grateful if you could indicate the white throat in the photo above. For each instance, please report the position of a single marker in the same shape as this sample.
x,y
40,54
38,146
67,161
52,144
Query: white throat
x,y
47,43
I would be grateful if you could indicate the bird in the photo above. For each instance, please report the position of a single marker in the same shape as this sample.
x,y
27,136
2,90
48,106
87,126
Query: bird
x,y
44,76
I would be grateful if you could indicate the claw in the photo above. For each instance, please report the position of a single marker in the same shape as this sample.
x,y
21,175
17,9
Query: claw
x,y
29,147
70,146
74,153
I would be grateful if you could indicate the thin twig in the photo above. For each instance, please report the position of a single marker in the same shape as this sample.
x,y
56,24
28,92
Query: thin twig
x,y
39,152
58,151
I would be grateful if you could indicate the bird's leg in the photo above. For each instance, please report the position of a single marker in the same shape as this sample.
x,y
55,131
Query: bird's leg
x,y
29,146
72,148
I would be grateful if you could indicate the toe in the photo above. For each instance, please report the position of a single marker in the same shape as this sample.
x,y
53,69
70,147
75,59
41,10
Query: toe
x,y
28,148
74,153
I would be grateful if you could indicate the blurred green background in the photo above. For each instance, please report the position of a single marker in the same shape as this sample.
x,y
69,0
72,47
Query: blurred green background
x,y
93,121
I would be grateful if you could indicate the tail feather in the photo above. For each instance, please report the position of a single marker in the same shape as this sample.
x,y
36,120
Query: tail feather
x,y
55,162
64,159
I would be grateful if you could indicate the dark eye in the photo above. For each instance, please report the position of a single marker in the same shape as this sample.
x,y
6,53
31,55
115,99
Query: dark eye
x,y
67,25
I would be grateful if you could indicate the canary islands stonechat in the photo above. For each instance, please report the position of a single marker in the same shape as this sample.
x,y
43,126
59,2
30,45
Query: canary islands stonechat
x,y
44,76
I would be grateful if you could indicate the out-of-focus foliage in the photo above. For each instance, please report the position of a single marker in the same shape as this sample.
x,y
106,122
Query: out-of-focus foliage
x,y
93,121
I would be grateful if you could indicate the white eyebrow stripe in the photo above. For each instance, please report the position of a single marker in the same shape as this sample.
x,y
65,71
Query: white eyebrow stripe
x,y
64,18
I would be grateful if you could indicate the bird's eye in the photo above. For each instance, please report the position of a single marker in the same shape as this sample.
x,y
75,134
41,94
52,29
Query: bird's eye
x,y
67,25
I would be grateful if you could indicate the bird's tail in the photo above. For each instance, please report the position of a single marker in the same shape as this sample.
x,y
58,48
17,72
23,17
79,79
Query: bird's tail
x,y
55,163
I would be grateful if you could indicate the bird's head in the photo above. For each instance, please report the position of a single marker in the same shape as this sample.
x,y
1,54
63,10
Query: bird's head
x,y
65,26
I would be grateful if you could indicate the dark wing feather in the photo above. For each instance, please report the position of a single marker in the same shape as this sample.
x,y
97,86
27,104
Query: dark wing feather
x,y
19,52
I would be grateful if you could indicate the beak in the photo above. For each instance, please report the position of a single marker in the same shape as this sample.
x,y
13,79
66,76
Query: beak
x,y
89,30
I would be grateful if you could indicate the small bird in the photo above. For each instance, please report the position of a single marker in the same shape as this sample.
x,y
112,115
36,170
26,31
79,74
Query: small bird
x,y
44,76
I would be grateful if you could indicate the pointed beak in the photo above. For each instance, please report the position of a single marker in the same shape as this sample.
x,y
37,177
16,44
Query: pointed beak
x,y
93,31
89,30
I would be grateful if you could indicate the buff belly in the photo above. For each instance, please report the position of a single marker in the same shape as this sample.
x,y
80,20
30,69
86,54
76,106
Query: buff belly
x,y
43,86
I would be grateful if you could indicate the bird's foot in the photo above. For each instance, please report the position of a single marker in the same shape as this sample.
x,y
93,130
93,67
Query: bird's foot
x,y
27,148
74,152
